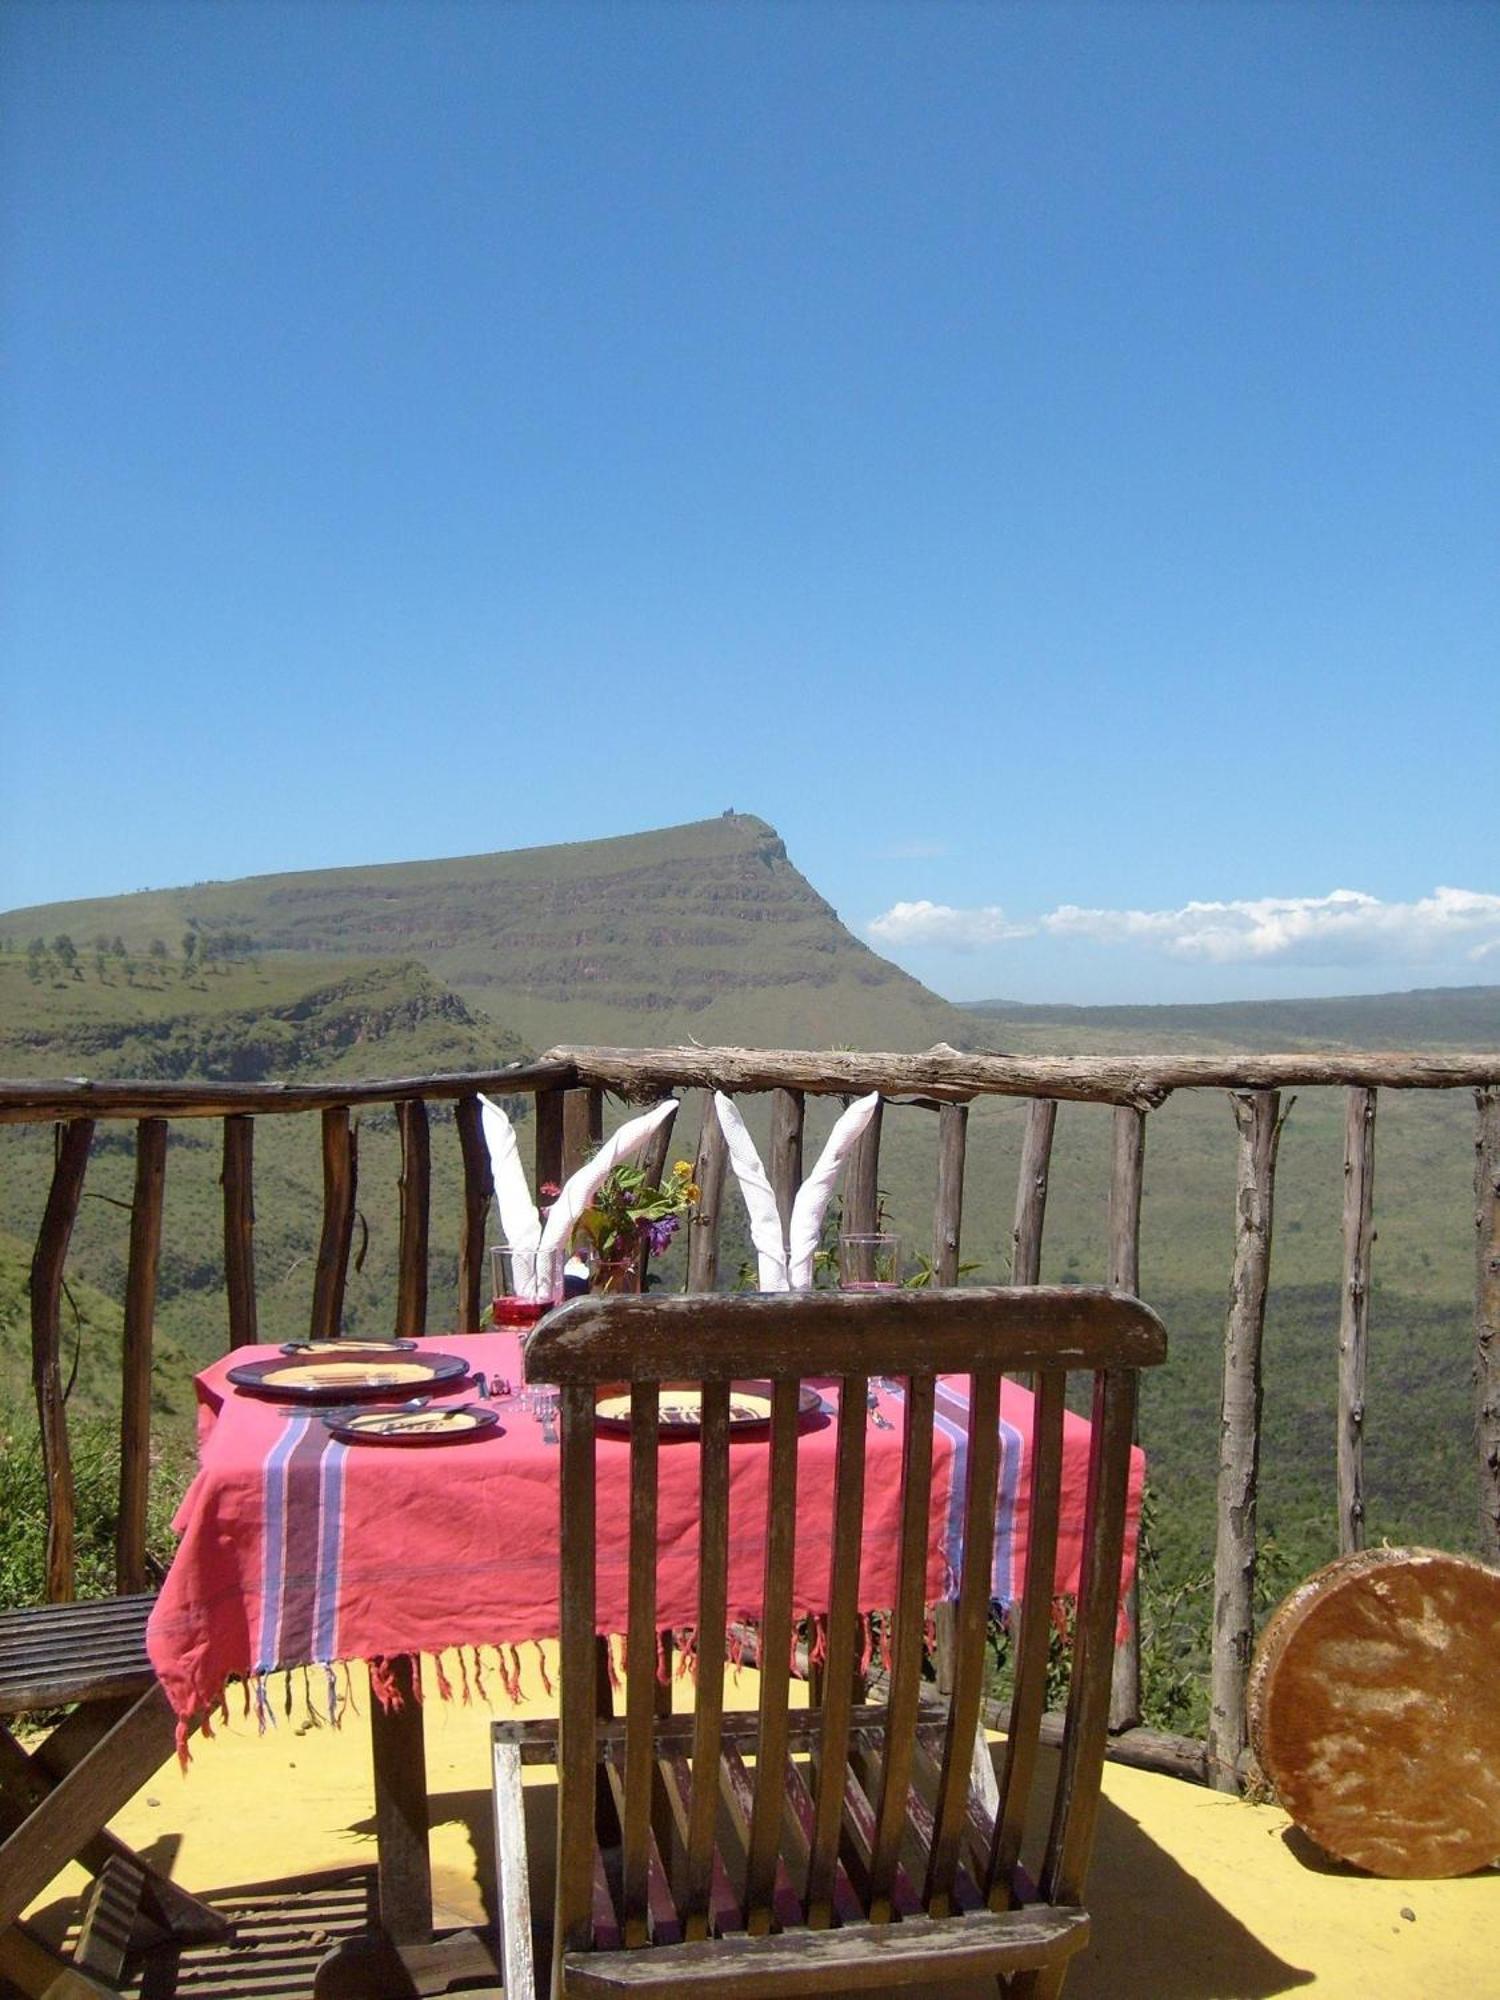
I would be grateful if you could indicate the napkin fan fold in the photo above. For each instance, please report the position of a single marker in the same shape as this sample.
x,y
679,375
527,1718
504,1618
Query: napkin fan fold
x,y
786,1257
520,1220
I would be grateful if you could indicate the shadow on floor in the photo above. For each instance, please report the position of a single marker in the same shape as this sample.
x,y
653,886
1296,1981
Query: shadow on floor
x,y
1157,1934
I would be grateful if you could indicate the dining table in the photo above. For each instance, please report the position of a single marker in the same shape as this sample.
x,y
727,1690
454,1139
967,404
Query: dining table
x,y
303,1551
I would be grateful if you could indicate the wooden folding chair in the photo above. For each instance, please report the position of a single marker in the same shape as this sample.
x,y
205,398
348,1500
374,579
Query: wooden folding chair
x,y
845,1845
55,1800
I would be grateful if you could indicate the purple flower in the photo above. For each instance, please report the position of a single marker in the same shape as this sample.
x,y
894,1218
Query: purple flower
x,y
660,1234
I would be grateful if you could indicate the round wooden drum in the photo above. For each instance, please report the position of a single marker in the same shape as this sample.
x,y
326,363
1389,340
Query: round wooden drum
x,y
1374,1710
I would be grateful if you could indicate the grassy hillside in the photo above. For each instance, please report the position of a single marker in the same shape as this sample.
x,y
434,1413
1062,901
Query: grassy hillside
x,y
287,1017
704,931
1457,1016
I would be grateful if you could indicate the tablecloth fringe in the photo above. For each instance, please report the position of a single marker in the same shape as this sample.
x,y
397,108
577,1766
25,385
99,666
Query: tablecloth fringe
x,y
324,1691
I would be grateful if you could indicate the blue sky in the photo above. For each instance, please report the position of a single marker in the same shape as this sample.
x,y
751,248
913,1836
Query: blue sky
x,y
1042,458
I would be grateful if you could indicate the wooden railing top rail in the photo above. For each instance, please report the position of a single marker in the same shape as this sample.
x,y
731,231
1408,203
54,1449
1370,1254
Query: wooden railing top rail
x,y
943,1074
81,1097
950,1074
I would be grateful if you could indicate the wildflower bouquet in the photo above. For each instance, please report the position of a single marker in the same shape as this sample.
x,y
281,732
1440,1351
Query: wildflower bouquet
x,y
629,1213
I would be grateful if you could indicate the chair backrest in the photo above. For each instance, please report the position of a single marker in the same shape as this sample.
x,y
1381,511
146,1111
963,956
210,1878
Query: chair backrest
x,y
851,1340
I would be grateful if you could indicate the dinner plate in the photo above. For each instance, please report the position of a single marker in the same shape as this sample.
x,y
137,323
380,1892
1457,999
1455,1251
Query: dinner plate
x,y
347,1346
452,1423
335,1378
679,1412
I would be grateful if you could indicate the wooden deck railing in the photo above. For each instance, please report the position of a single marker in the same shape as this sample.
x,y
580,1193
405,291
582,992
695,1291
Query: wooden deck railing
x,y
568,1088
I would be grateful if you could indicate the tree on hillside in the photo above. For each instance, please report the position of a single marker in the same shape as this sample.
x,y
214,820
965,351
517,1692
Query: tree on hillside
x,y
66,953
36,953
189,950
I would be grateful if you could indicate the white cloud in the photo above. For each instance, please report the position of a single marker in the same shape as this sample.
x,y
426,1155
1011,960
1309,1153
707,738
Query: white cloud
x,y
1339,929
1346,927
938,924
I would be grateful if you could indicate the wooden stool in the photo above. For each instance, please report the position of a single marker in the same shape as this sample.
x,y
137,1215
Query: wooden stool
x,y
1373,1711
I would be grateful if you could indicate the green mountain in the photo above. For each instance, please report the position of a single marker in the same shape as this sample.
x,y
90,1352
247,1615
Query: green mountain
x,y
1435,1016
704,931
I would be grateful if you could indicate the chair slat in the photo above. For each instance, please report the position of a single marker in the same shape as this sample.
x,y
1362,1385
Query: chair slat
x,y
906,1657
1076,1802
576,1889
841,1899
843,1638
723,1911
640,1668
859,1831
782,1903
1029,1690
774,1655
713,1608
660,1924
970,1628
921,1810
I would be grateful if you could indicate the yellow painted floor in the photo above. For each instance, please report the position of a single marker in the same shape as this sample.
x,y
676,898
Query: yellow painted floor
x,y
1195,1896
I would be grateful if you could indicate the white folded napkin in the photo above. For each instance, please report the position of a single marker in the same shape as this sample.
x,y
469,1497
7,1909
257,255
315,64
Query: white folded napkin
x,y
760,1198
786,1262
520,1225
580,1190
520,1222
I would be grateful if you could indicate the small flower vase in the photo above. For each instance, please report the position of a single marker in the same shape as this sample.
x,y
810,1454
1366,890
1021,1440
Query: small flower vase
x,y
617,1275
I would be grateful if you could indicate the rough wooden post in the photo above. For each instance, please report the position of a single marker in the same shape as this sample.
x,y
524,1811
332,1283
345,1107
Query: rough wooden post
x,y
784,1169
1127,1172
549,1141
415,1189
861,1211
1354,1313
1257,1114
947,1225
74,1140
340,1176
1031,1192
479,1190
238,1183
654,1166
708,1172
135,1353
1487,1316
583,1127
948,1210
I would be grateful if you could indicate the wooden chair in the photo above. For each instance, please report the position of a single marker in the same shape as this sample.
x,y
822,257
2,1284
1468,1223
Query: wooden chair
x,y
56,1799
846,1845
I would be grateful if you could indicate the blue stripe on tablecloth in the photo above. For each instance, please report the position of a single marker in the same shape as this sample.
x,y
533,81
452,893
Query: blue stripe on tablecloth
x,y
273,1564
953,1422
325,1601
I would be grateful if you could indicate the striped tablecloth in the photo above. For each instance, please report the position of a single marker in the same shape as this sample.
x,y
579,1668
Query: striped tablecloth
x,y
298,1549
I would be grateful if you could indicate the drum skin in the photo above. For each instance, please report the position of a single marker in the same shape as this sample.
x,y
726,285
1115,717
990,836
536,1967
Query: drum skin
x,y
1375,1711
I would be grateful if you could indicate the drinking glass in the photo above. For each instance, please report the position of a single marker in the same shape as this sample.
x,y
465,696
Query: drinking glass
x,y
526,1283
869,1262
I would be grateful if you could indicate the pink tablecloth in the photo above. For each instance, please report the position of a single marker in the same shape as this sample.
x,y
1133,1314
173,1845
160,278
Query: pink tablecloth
x,y
298,1549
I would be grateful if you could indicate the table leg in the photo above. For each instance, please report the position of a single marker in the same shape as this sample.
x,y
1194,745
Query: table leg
x,y
400,1759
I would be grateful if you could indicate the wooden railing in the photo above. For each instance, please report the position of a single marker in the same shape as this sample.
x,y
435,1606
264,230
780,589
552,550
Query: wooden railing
x,y
568,1087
